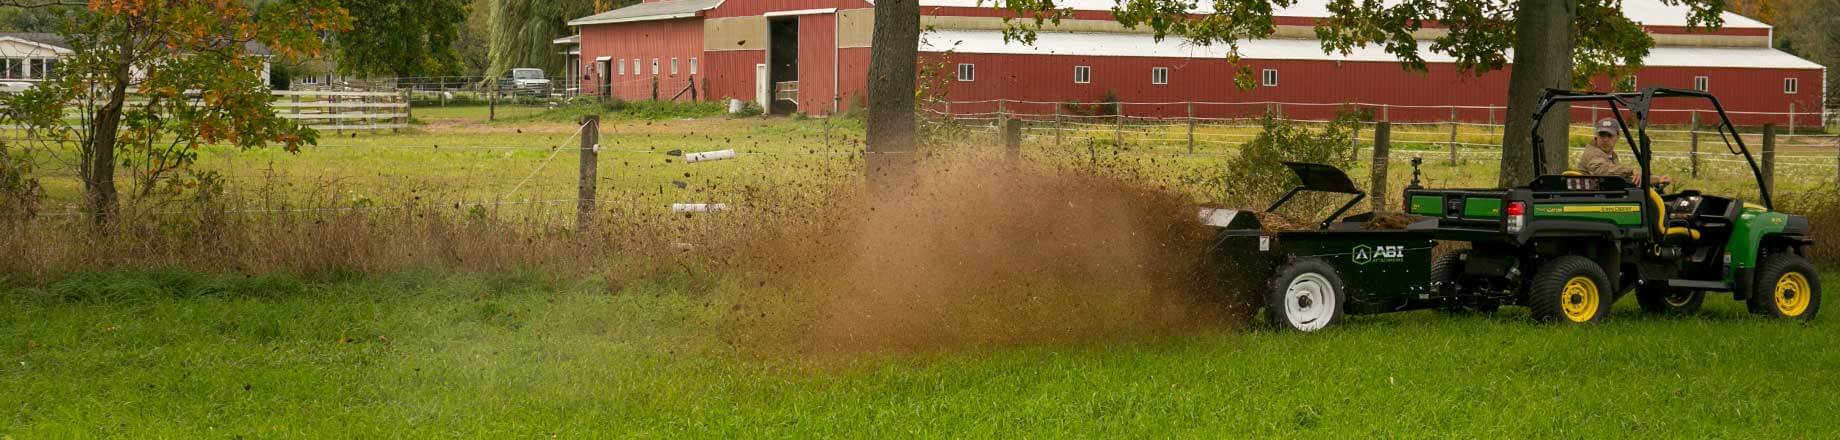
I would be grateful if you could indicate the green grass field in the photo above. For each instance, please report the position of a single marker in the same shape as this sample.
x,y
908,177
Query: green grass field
x,y
450,355
172,353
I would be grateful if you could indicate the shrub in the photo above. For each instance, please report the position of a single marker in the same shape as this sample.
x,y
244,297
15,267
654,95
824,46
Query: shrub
x,y
1257,175
1822,207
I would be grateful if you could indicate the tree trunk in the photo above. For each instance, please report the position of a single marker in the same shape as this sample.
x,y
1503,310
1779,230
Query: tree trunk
x,y
1542,59
893,60
99,167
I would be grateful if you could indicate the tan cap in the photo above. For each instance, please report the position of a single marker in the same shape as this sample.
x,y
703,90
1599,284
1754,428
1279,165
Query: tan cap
x,y
1607,126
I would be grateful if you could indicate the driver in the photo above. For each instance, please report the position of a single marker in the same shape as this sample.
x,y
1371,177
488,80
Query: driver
x,y
1600,158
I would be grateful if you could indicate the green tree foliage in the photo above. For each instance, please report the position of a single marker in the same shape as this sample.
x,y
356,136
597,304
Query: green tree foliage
x,y
402,38
33,19
475,43
523,32
1811,29
193,79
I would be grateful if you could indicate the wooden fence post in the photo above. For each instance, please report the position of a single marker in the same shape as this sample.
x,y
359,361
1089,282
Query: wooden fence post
x,y
1693,145
655,88
1002,121
492,102
1354,143
1769,157
1012,142
1191,128
1453,136
590,166
1118,131
1057,124
1383,138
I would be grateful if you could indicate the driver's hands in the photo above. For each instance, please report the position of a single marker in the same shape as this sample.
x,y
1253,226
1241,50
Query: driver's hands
x,y
1664,180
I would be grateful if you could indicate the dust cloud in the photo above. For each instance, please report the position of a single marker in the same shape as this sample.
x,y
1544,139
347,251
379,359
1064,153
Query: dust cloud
x,y
982,255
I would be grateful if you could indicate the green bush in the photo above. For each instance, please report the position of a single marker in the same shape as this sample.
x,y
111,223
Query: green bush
x,y
1256,175
1822,207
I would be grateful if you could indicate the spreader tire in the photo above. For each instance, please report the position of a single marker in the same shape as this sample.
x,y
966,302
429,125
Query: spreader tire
x,y
1664,301
1306,295
1787,287
1572,290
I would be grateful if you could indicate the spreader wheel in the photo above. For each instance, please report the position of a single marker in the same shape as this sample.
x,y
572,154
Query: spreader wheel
x,y
1306,295
1570,289
1665,301
1787,287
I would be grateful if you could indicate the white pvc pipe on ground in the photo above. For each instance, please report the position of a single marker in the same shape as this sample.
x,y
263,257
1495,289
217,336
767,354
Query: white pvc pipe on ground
x,y
698,207
709,156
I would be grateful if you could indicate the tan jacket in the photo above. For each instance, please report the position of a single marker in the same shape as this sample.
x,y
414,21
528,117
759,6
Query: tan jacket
x,y
1597,162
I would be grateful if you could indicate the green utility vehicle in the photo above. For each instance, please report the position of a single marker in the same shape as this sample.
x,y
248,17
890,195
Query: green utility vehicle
x,y
1567,245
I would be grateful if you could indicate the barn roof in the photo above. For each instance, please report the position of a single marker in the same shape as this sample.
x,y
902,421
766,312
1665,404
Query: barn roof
x,y
1647,12
660,10
1143,45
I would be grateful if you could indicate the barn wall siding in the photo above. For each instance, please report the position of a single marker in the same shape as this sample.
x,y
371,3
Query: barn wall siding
x,y
1325,83
731,73
663,40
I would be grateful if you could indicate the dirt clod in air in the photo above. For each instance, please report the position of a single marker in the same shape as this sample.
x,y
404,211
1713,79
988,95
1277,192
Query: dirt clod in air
x,y
979,255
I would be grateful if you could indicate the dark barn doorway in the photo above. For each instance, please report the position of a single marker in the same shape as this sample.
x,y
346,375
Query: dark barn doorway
x,y
603,70
783,64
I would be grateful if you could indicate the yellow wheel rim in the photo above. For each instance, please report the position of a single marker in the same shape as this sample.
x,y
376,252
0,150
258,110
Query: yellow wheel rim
x,y
1678,299
1579,299
1793,294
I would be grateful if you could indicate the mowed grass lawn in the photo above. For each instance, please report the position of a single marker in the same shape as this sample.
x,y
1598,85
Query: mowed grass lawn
x,y
153,354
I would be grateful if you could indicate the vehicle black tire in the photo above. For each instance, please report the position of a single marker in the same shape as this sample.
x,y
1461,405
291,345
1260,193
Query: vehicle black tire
x,y
1305,295
1663,301
1787,287
1570,289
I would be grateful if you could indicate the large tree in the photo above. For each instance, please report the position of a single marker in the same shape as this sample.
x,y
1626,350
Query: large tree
x,y
1811,29
523,30
1556,42
151,81
402,38
893,64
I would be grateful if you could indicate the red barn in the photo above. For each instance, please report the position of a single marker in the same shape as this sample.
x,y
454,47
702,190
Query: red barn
x,y
811,56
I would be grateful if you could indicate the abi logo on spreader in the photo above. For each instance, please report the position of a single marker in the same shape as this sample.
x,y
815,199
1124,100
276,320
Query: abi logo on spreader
x,y
1364,254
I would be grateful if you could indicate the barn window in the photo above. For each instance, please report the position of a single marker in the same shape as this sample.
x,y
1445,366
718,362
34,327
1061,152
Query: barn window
x,y
622,67
673,67
1628,83
1702,84
1791,85
637,70
1082,74
1159,75
1269,77
692,65
654,66
967,72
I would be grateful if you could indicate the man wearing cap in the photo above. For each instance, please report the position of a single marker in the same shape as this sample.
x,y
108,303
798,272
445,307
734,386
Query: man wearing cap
x,y
1600,158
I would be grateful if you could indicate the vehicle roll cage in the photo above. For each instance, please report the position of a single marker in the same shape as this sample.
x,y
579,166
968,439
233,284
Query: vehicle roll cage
x,y
1638,104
